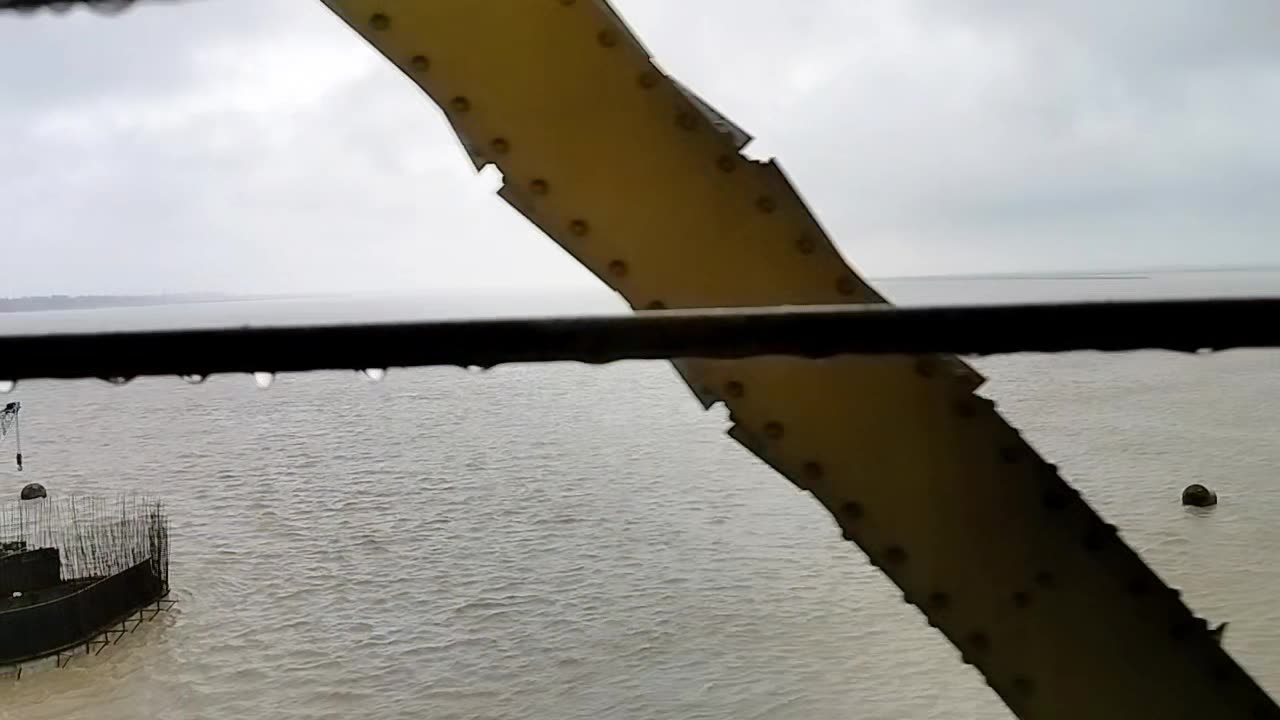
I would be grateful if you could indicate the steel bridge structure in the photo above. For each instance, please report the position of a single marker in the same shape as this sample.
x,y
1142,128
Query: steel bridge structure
x,y
861,405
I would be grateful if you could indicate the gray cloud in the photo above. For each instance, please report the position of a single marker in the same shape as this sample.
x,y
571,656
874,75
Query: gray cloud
x,y
250,145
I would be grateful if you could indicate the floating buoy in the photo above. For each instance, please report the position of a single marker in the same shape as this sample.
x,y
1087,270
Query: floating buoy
x,y
34,491
1197,495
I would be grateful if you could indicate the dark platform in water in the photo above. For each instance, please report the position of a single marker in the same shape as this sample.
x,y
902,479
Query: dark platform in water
x,y
72,568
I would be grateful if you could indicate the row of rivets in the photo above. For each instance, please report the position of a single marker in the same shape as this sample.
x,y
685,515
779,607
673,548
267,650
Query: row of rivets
x,y
805,244
1054,499
896,555
977,642
501,146
381,22
726,163
606,38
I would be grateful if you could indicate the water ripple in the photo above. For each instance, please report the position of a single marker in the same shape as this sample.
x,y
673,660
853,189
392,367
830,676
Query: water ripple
x,y
565,542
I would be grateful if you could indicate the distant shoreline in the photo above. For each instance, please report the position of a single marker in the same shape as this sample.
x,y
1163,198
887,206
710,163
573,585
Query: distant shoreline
x,y
41,303
1121,274
1017,276
92,302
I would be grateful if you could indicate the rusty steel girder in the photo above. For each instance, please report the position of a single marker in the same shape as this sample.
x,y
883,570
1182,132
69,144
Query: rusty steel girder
x,y
644,184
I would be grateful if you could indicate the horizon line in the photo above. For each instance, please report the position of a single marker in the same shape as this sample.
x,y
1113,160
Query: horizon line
x,y
1036,274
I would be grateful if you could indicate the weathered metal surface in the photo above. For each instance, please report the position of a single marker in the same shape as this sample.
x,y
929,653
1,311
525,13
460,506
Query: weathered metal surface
x,y
618,165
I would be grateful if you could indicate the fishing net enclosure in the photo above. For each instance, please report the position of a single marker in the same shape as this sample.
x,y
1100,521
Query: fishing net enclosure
x,y
70,567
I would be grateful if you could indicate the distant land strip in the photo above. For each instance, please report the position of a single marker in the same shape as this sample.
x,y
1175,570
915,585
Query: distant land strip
x,y
89,302
1119,274
39,303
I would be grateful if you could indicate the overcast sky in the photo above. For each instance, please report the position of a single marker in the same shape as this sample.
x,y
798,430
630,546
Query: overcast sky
x,y
260,145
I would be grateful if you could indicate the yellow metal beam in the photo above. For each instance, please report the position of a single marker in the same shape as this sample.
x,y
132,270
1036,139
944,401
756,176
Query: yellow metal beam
x,y
645,186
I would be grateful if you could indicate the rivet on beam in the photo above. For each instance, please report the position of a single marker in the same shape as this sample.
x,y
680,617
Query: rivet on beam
x,y
813,470
978,641
926,366
1023,685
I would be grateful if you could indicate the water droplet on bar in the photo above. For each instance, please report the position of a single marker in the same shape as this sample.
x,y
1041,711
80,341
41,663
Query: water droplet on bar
x,y
194,378
375,374
7,386
117,379
264,379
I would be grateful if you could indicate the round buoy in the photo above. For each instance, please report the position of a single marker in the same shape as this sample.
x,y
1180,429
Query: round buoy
x,y
34,491
1197,495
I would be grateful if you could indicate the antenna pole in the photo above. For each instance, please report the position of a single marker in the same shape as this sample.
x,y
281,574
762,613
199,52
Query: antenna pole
x,y
17,434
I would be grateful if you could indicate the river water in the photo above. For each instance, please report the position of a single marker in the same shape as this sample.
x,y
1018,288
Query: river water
x,y
562,541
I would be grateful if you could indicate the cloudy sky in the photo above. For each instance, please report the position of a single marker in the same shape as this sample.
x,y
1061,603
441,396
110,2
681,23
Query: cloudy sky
x,y
259,145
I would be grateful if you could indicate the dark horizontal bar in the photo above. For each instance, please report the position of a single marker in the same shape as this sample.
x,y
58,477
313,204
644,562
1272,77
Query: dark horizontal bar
x,y
110,7
807,331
